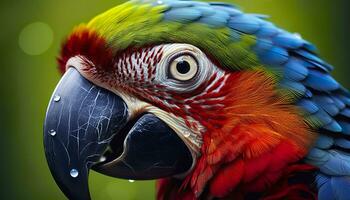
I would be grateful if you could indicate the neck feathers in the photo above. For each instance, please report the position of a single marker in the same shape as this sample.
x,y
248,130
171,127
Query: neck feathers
x,y
258,142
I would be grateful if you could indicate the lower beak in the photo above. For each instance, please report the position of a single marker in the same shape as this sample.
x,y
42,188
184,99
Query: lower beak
x,y
88,127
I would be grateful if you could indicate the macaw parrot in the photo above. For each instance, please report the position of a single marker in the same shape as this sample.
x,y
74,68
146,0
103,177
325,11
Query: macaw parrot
x,y
212,102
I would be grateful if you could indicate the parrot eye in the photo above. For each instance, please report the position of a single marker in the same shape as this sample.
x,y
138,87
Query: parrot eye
x,y
183,68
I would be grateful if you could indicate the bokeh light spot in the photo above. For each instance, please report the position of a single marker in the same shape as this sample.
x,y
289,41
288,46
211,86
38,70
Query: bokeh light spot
x,y
36,38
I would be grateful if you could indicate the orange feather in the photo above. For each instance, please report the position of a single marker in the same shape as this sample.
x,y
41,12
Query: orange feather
x,y
250,142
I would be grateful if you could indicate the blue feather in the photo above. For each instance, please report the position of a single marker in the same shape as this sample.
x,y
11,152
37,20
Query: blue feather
x,y
343,98
294,70
295,86
308,93
288,40
323,117
323,99
224,5
232,10
331,109
345,112
310,47
317,156
341,105
308,106
267,29
244,23
205,10
309,56
338,164
262,45
322,67
333,126
199,4
345,126
327,104
344,143
183,15
219,19
324,142
340,186
275,56
344,91
332,188
325,190
178,4
320,81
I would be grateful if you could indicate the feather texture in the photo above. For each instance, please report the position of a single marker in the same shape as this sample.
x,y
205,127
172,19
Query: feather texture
x,y
238,42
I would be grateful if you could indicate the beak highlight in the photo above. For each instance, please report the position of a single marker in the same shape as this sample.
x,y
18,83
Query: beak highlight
x,y
87,127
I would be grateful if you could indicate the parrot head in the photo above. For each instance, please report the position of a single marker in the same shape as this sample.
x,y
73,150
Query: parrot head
x,y
179,91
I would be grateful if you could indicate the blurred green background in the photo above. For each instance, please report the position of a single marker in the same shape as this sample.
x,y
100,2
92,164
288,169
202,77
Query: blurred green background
x,y
30,37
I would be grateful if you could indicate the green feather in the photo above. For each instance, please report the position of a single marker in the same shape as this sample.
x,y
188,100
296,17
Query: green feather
x,y
139,24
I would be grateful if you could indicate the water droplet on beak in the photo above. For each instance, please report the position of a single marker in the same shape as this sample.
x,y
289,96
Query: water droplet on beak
x,y
103,158
74,173
57,98
52,132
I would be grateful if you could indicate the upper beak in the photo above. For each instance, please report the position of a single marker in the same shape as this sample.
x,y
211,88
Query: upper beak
x,y
89,127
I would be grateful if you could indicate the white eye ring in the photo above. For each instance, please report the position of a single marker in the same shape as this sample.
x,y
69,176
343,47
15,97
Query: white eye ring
x,y
183,68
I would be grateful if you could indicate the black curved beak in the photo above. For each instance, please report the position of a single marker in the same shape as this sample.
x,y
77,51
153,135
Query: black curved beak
x,y
88,127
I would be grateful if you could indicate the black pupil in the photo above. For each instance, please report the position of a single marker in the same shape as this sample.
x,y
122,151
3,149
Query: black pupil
x,y
183,67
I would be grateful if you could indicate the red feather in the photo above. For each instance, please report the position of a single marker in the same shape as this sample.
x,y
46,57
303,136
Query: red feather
x,y
86,42
227,179
250,145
